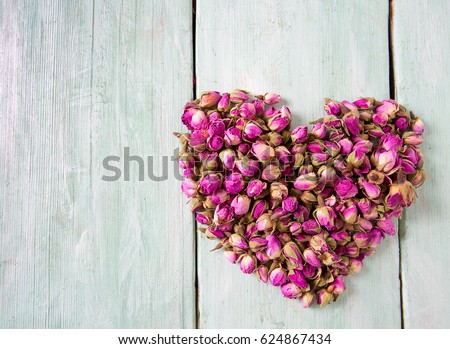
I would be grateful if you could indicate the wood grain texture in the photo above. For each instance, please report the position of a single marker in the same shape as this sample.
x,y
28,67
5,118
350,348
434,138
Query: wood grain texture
x,y
304,50
81,81
422,56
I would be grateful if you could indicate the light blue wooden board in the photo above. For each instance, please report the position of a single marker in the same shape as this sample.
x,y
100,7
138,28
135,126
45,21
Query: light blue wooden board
x,y
80,81
422,70
304,50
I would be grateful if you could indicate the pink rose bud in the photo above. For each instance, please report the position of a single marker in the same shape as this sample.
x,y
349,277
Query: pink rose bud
x,y
368,208
227,157
234,183
223,214
263,274
348,105
252,131
259,106
247,110
352,123
262,256
326,217
271,173
257,244
306,182
364,103
346,146
271,98
209,99
345,188
199,120
295,228
219,196
311,227
262,151
339,285
264,222
297,277
241,204
332,107
290,290
301,214
244,148
248,167
341,237
278,191
232,136
278,123
419,178
307,299
324,298
391,142
290,204
273,246
278,277
209,183
401,124
292,253
189,187
388,107
215,143
259,208
362,240
216,128
186,118
371,190
238,241
364,224
356,265
255,187
386,160
350,214
224,102
417,126
247,264
275,139
202,218
231,256
312,258
387,226
238,96
319,131
412,138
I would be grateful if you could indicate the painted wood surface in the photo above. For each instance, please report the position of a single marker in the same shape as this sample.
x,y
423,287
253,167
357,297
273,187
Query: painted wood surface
x,y
80,81
422,70
304,50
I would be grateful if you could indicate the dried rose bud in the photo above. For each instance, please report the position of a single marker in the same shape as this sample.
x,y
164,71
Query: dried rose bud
x,y
311,227
312,258
189,187
412,138
332,107
248,264
224,102
419,178
326,217
352,124
350,214
219,196
199,120
307,299
368,208
278,277
255,187
383,111
227,156
299,134
346,146
234,183
356,158
231,256
273,247
387,226
259,207
241,204
259,106
248,167
279,122
341,237
238,242
297,277
209,99
292,253
345,188
247,110
338,285
306,181
324,297
376,177
386,160
262,256
401,124
257,244
209,183
417,125
319,131
271,98
232,136
290,290
278,191
364,103
252,130
262,151
264,222
290,204
262,274
356,265
271,173
371,190
213,233
238,96
223,214
203,218
216,128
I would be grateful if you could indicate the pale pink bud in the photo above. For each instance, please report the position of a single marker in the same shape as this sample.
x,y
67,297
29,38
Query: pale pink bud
x,y
224,102
278,191
234,183
278,277
311,227
271,98
257,244
255,187
252,131
273,246
209,99
297,277
307,299
241,204
324,298
247,264
326,217
412,138
238,96
345,188
278,123
371,190
189,187
247,166
262,256
262,274
391,142
227,157
292,253
199,120
247,110
364,103
264,223
295,228
332,108
362,240
348,105
306,182
356,158
238,241
290,204
368,208
232,136
356,265
223,214
339,285
386,225
387,108
290,290
231,256
219,196
350,214
417,126
386,160
271,173
209,183
262,151
312,258
319,131
318,159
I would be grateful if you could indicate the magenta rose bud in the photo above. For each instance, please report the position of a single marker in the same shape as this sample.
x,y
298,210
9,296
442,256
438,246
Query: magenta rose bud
x,y
238,241
278,123
241,204
319,131
371,190
273,246
346,146
383,111
290,204
271,98
202,218
391,142
306,182
339,285
350,214
401,124
297,277
244,148
247,264
255,187
216,128
209,99
326,217
259,208
332,108
262,151
290,290
364,103
263,274
312,258
345,188
292,253
252,131
311,227
368,208
247,110
257,244
224,102
238,96
387,226
412,138
234,183
223,214
189,187
199,120
231,256
352,123
299,134
259,106
232,136
219,196
209,183
278,277
262,256
248,167
227,156
215,143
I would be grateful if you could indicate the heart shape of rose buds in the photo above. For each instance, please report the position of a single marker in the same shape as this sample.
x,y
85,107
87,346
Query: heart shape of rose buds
x,y
300,209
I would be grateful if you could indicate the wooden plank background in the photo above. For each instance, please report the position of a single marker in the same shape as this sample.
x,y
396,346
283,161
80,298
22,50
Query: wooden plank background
x,y
80,81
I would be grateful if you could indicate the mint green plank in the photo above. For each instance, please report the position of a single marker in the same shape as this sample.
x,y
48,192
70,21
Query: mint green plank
x,y
305,50
422,53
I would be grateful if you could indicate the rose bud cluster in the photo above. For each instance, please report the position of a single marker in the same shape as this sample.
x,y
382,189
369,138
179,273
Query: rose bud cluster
x,y
300,209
